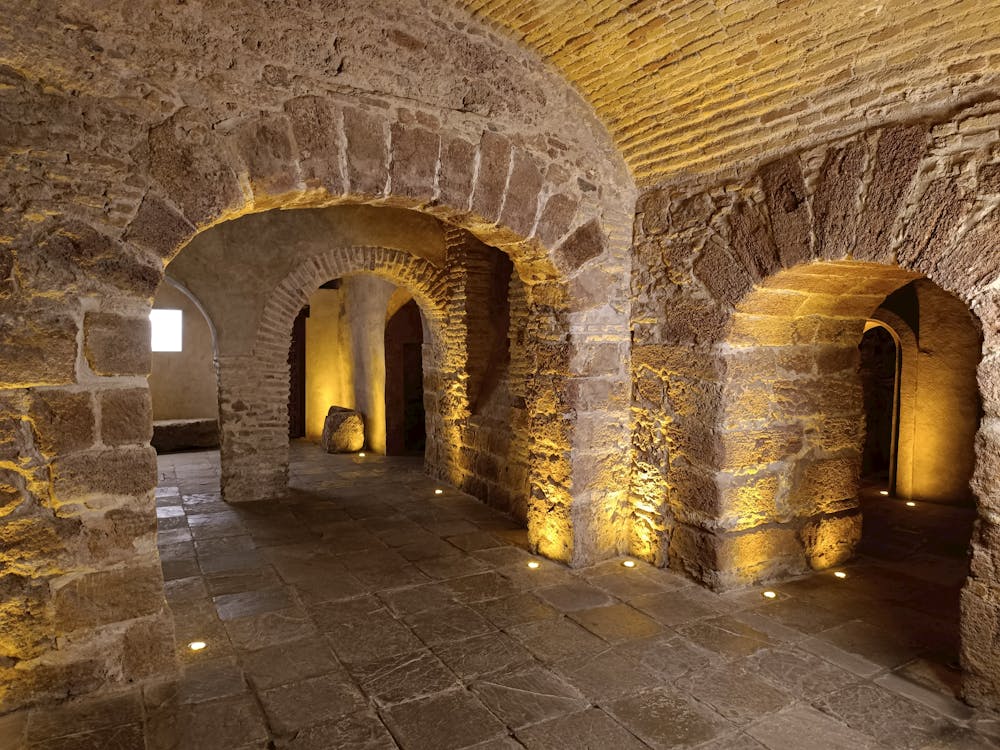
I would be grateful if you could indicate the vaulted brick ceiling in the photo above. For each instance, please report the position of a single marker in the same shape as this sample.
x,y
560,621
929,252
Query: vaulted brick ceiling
x,y
689,86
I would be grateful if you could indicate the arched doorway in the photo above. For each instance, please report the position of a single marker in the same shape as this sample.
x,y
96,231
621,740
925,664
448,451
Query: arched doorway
x,y
406,433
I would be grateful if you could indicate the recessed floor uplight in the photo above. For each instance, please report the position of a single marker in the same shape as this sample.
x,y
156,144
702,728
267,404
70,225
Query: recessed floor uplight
x,y
629,563
533,564
840,574
769,595
911,504
883,492
197,645
361,455
438,492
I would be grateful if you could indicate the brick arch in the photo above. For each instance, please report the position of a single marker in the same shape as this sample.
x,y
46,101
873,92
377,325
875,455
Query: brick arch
x,y
253,389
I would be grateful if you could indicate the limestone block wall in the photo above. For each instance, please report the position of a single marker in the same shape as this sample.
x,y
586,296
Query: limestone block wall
x,y
748,299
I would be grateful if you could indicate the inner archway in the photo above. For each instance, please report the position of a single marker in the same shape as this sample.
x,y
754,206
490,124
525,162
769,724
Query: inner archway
x,y
406,433
848,417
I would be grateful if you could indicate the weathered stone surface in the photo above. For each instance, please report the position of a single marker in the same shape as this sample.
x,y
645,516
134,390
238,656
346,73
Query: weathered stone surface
x,y
116,345
77,257
785,194
491,179
343,431
37,343
896,158
315,126
528,697
665,718
123,471
126,416
457,168
367,151
556,219
446,721
192,168
590,728
586,242
523,193
414,161
833,207
63,421
265,146
157,227
109,596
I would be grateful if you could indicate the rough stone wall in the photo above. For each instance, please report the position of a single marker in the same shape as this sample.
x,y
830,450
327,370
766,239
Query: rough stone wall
x,y
703,86
488,305
81,591
711,287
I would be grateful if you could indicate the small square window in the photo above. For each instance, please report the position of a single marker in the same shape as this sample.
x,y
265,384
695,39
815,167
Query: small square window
x,y
167,330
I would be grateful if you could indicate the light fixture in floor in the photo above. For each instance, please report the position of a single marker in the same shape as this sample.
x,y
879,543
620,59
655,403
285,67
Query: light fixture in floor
x,y
533,564
769,595
438,492
884,493
629,563
361,455
840,574
911,504
197,645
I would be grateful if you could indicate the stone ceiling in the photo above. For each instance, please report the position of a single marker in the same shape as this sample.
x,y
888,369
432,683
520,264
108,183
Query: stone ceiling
x,y
692,86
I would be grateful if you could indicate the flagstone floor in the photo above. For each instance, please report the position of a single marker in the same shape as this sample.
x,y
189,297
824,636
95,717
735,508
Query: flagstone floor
x,y
363,610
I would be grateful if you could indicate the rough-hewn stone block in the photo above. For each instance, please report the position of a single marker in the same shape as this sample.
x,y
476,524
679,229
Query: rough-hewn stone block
x,y
126,416
315,128
37,344
367,152
63,420
343,431
116,345
491,182
785,193
108,596
414,161
108,472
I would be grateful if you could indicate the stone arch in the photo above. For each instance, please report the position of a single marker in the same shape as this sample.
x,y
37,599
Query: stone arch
x,y
253,388
897,203
566,244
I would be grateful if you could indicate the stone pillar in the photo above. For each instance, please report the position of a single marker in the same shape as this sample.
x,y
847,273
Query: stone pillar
x,y
81,590
253,428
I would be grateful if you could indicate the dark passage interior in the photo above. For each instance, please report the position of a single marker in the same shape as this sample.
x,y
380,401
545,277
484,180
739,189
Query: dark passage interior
x,y
406,432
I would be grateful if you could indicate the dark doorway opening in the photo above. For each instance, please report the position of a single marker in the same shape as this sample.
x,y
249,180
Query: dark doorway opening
x,y
297,377
404,383
879,379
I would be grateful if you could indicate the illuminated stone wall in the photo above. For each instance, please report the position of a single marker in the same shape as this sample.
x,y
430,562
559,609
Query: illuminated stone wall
x,y
748,304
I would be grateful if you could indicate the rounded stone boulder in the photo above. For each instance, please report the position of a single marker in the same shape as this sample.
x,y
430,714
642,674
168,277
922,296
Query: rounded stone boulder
x,y
343,431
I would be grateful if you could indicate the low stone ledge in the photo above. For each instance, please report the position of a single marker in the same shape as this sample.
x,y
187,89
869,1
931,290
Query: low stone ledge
x,y
173,435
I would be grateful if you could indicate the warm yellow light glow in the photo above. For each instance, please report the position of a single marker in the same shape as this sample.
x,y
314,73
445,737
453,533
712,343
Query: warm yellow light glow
x,y
769,595
911,504
883,492
361,455
533,565
840,574
629,563
197,645
438,492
